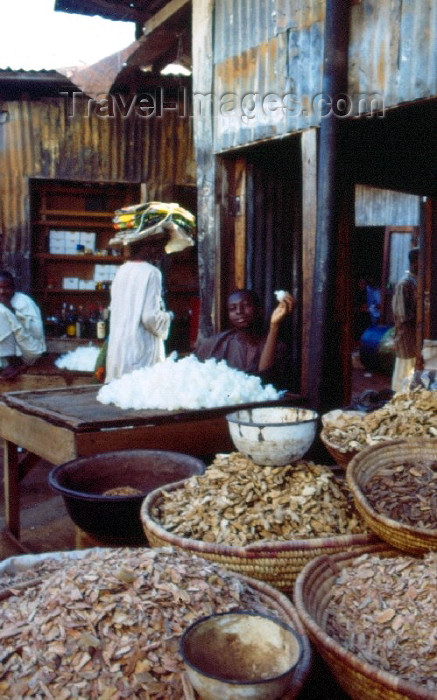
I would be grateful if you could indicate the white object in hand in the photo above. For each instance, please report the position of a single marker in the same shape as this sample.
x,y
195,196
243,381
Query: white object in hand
x,y
280,294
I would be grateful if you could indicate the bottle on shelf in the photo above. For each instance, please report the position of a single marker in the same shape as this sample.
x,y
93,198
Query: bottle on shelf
x,y
80,323
92,323
101,328
71,322
63,319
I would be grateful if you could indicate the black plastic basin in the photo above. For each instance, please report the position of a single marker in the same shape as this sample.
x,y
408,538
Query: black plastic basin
x,y
115,520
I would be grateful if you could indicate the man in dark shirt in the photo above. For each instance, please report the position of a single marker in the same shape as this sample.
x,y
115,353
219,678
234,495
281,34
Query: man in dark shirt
x,y
246,346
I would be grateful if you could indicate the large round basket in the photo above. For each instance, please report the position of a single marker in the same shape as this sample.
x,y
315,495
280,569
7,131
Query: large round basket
x,y
275,563
274,599
359,679
341,458
388,454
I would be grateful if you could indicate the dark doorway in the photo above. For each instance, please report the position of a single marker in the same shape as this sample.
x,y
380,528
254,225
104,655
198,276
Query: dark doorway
x,y
274,233
367,252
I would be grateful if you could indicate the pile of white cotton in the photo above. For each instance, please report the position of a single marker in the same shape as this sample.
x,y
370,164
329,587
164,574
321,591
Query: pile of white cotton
x,y
186,383
82,359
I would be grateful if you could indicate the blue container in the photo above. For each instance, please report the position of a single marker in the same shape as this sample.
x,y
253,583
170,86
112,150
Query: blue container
x,y
377,349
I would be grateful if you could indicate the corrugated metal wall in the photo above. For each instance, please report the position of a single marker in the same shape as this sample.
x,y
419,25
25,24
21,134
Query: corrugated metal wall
x,y
40,139
268,63
393,49
376,207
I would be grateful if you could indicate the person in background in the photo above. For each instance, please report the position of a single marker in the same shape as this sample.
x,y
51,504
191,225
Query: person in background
x,y
373,298
139,322
246,346
404,305
22,339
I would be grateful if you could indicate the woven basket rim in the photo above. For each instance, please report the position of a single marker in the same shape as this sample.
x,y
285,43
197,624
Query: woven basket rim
x,y
360,498
334,446
267,548
322,639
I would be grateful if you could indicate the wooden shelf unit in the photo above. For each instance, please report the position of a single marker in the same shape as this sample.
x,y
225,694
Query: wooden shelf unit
x,y
81,206
73,207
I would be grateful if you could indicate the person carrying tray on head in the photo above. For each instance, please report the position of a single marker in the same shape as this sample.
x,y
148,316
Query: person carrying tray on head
x,y
139,322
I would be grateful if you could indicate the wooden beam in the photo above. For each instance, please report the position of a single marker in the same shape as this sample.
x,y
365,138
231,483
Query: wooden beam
x,y
309,223
240,223
161,17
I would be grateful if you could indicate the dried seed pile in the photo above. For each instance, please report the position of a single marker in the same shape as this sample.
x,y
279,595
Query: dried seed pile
x,y
122,491
108,626
408,415
406,493
237,502
384,611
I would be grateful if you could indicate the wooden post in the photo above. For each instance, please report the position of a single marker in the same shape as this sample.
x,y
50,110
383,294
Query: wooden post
x,y
240,223
325,381
203,113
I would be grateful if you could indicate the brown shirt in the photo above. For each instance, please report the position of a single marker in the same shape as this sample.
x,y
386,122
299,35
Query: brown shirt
x,y
230,346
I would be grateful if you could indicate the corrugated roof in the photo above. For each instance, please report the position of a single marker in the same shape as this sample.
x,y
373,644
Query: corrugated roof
x,y
121,10
14,83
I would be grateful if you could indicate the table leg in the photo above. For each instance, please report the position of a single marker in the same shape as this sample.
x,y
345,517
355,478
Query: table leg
x,y
11,485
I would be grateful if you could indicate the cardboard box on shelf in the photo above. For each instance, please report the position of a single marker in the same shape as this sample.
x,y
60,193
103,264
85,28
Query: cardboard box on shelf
x,y
57,242
87,284
101,273
72,240
88,239
70,283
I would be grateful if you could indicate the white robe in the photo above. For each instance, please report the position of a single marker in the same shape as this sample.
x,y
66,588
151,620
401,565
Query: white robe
x,y
138,322
21,332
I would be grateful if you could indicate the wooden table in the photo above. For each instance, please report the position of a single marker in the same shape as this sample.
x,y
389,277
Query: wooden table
x,y
59,425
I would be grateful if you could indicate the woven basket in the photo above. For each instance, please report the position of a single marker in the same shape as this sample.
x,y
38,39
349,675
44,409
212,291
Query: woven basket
x,y
275,563
387,454
341,458
276,601
359,679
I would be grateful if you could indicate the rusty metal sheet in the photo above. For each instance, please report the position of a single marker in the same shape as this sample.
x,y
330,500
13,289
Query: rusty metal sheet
x,y
50,137
268,63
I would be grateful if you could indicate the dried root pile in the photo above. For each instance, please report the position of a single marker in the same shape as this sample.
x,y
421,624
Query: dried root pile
x,y
408,415
237,502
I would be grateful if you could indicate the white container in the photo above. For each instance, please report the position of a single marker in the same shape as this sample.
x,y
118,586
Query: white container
x,y
273,436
